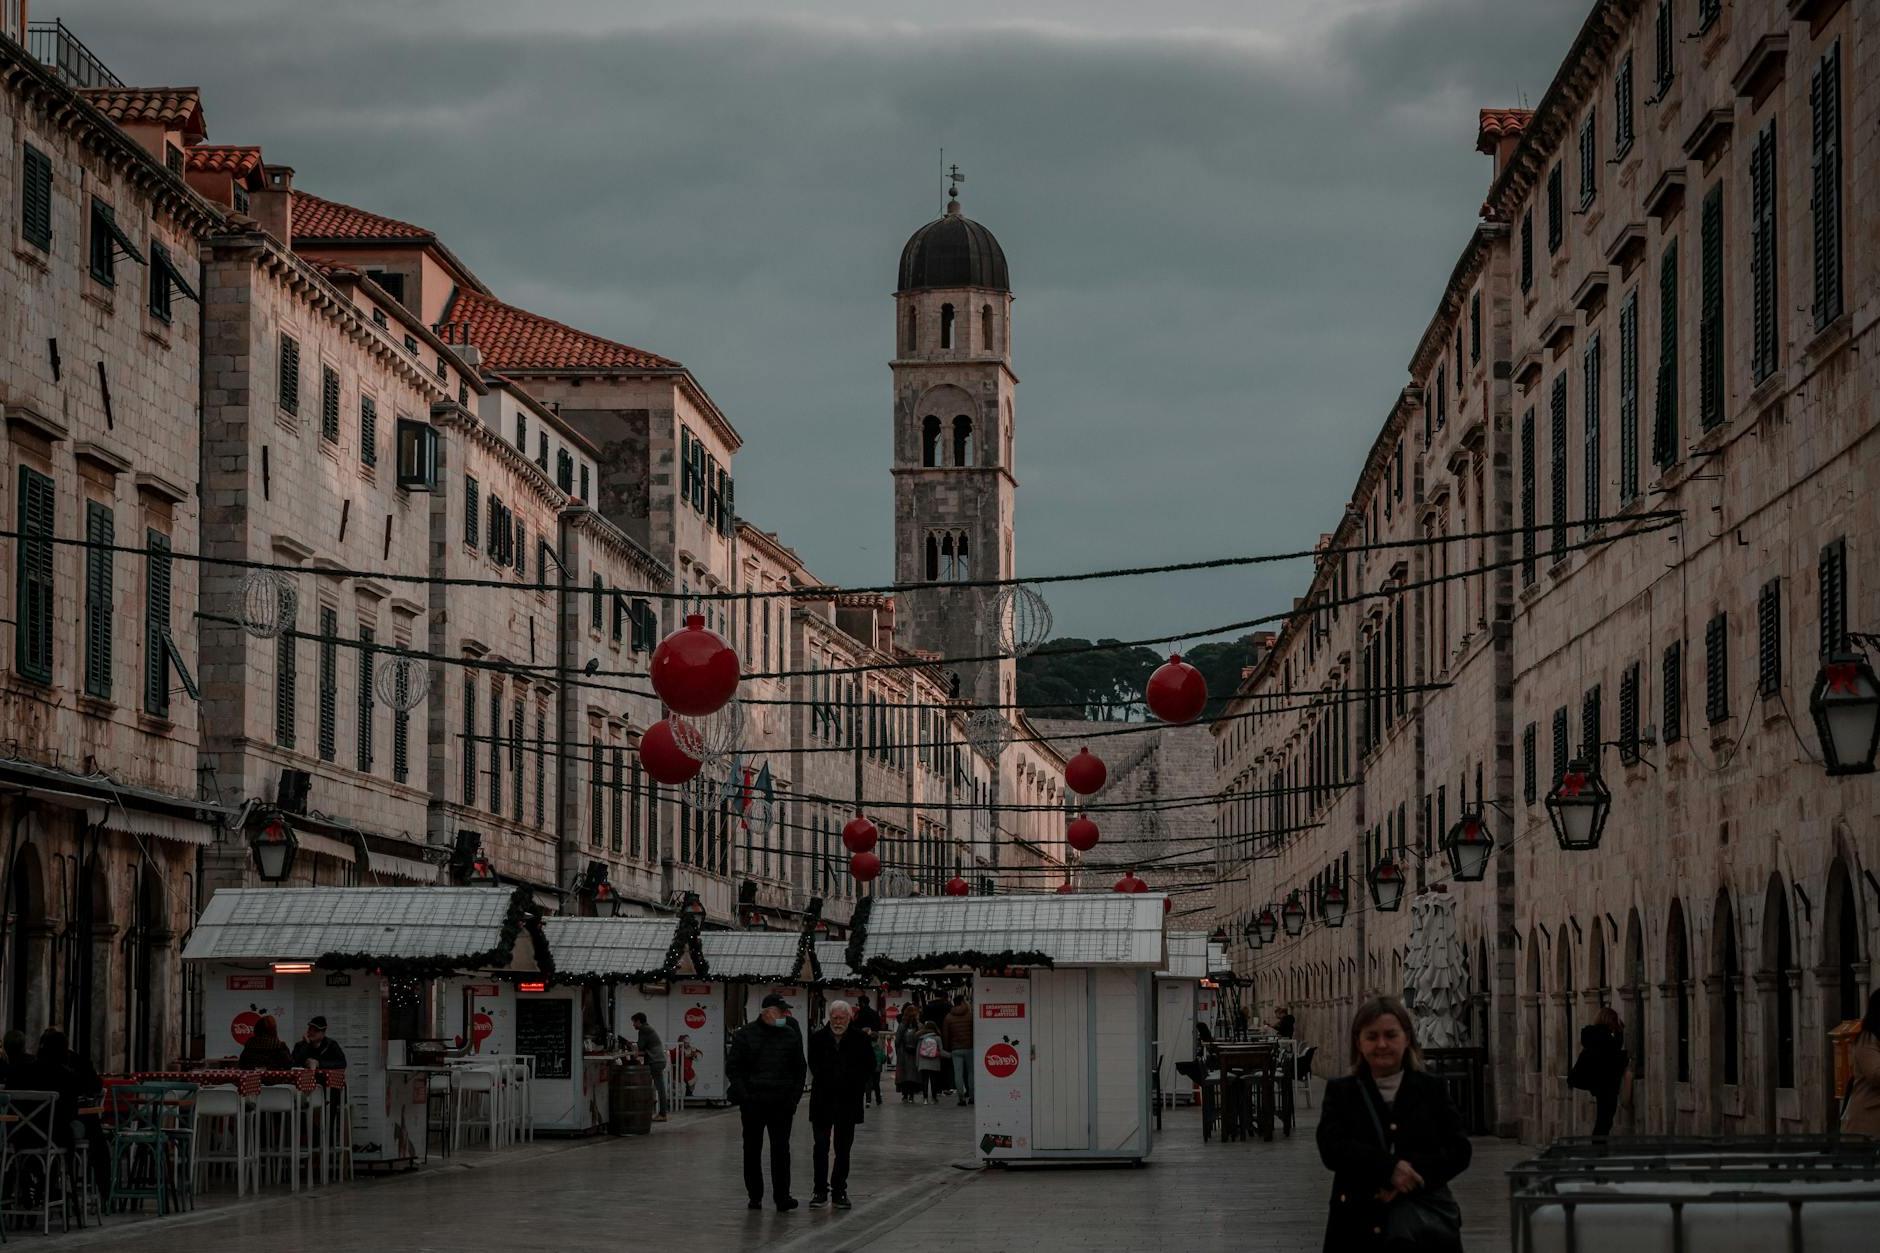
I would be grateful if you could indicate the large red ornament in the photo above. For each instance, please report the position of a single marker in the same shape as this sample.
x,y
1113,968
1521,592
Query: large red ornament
x,y
663,758
1082,835
1168,903
694,671
860,836
957,886
1130,883
1067,889
1176,691
1085,772
865,867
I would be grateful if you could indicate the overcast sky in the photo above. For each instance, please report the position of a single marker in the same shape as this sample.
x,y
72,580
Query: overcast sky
x,y
1227,223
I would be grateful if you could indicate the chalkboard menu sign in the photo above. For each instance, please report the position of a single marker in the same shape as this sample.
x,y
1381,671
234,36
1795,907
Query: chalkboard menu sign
x,y
545,1030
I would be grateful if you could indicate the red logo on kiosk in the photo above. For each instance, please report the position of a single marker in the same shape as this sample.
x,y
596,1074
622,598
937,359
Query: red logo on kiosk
x,y
695,1018
1001,1061
242,1027
482,1027
1006,1010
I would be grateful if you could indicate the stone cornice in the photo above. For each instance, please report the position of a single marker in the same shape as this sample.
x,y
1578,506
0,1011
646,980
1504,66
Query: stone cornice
x,y
591,523
1449,310
453,416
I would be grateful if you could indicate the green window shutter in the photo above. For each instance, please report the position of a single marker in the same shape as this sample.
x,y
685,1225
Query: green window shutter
x,y
401,725
496,746
286,680
1475,327
33,582
1562,752
599,597
1590,734
1527,497
1590,383
1556,209
368,431
290,375
1628,399
36,199
1831,590
469,738
329,404
1824,103
520,549
159,280
1665,411
1589,160
157,625
368,700
1765,349
470,515
329,684
541,769
1769,638
1710,332
615,799
1628,714
100,529
1527,249
1717,669
1673,686
685,465
1557,416
515,759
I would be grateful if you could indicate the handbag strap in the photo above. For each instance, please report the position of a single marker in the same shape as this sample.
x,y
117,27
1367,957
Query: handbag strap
x,y
1377,1124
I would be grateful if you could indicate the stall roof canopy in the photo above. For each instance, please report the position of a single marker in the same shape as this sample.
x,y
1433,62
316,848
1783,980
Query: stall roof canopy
x,y
760,956
832,958
896,936
399,929
623,950
1187,955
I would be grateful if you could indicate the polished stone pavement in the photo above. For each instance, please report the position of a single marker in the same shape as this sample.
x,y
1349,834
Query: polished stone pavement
x,y
917,1189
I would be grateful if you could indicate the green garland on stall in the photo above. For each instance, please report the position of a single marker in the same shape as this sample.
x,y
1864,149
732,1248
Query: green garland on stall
x,y
515,919
685,941
969,959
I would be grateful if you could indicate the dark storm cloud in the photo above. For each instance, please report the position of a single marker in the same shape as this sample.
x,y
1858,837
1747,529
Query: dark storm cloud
x,y
1223,249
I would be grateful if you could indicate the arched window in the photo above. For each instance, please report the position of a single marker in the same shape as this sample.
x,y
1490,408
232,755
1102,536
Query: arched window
x,y
1567,1035
1779,958
985,329
1537,1026
933,557
962,440
1730,965
930,440
962,567
946,557
946,326
1680,962
908,338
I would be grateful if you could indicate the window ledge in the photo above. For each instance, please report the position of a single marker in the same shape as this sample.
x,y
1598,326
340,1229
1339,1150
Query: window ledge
x,y
158,333
287,422
33,257
96,706
157,724
93,294
1829,337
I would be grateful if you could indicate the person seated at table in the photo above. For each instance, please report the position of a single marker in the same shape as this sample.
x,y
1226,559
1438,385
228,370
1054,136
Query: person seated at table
x,y
56,1068
16,1061
265,1049
319,1048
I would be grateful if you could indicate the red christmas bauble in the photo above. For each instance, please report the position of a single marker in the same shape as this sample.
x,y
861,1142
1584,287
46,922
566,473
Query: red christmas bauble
x,y
957,886
1176,691
694,671
860,836
1067,889
1130,883
662,757
1168,903
1085,772
865,867
1081,835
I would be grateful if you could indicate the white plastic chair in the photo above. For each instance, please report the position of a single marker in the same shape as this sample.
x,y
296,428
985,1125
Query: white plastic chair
x,y
521,1075
279,1112
481,1087
228,1139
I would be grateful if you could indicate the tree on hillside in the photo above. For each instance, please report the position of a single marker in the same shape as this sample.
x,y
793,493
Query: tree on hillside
x,y
1055,683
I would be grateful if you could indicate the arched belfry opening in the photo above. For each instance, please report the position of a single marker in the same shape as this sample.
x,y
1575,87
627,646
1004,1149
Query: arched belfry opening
x,y
962,440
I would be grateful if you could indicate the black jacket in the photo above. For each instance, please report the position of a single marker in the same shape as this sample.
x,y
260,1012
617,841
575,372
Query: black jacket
x,y
839,1069
1602,1062
766,1064
1425,1131
327,1054
866,1018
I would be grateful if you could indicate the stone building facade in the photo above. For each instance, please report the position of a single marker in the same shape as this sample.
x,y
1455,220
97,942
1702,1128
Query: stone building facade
x,y
1676,270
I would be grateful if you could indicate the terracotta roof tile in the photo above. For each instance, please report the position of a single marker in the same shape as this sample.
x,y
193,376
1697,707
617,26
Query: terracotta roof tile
x,y
240,160
316,217
1498,124
178,107
515,339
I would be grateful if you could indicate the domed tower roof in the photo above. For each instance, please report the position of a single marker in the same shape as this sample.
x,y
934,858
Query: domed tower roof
x,y
953,251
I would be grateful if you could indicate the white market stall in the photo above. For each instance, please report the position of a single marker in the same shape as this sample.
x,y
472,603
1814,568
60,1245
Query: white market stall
x,y
661,972
751,965
1063,1029
1177,1004
343,953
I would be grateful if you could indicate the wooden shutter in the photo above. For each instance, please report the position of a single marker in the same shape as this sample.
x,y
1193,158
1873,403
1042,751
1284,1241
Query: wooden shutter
x,y
471,515
1530,764
368,701
1590,382
33,601
1590,720
329,404
1824,102
1556,209
1710,327
1769,638
1764,321
286,678
519,548
1717,669
368,431
1665,411
401,724
329,683
290,375
100,531
469,754
541,768
1527,249
685,465
496,746
1527,497
1589,159
1665,62
1562,750
594,793
1831,584
1628,399
1475,327
1557,416
1622,108
1672,684
1628,714
36,199
157,625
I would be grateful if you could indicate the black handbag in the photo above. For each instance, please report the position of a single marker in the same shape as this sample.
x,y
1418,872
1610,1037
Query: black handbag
x,y
1425,1221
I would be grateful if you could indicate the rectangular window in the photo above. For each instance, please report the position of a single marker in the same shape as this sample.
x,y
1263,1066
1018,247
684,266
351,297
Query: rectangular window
x,y
1831,587
1563,751
1710,325
1765,349
1665,411
541,450
401,720
1769,638
496,746
100,530
1530,738
1672,681
1628,399
1527,497
1589,160
1556,209
1442,398
594,793
1824,105
1665,63
469,753
1475,328
522,431
103,245
1708,11
368,432
584,481
1628,714
541,768
159,282
518,547
286,681
1590,724
368,702
472,515
515,758
33,599
1717,669
685,465
157,625
645,625
329,683
634,791
1527,249
329,404
1590,383
36,199
616,808
1622,108
564,471
1557,415
597,600
288,372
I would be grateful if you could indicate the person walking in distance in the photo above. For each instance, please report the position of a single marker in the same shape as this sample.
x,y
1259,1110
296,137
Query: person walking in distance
x,y
647,1041
1602,1067
1862,1113
841,1068
930,1056
907,1080
1392,1141
765,1068
867,1021
956,1033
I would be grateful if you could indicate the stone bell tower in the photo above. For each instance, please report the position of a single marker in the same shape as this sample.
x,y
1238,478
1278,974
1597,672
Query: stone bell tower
x,y
954,488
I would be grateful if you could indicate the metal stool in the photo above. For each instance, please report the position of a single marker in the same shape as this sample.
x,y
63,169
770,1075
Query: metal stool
x,y
278,1117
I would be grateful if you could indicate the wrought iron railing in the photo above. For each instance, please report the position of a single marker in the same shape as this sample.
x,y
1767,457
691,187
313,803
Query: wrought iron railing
x,y
53,44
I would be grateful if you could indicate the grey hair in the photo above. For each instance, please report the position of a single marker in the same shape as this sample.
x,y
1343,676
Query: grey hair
x,y
844,1006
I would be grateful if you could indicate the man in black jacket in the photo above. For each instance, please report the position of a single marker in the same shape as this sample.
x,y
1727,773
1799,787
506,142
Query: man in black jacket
x,y
841,1068
765,1069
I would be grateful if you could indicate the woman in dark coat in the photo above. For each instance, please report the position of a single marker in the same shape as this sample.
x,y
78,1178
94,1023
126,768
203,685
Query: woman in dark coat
x,y
1387,1131
1602,1067
907,1080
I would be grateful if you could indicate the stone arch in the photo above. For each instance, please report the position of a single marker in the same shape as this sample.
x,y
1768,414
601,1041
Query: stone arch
x,y
1598,966
988,341
1634,996
1725,994
1777,981
963,440
930,441
26,941
947,320
1566,1040
1842,956
1678,989
94,951
147,969
939,403
1536,1003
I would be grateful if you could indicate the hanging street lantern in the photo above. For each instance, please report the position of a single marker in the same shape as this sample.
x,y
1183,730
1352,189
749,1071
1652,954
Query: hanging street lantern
x,y
482,872
1176,692
1251,934
1268,922
1846,707
957,886
1293,915
1082,835
662,757
690,903
274,847
694,671
1085,772
1577,806
1387,885
1334,905
1218,936
1468,845
606,900
860,836
865,867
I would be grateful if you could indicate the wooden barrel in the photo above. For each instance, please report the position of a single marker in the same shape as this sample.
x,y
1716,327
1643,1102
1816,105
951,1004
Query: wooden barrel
x,y
631,1101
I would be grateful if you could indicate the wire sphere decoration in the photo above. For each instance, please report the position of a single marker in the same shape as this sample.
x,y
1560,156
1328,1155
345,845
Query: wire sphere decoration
x,y
270,601
759,817
989,732
1024,619
401,682
714,738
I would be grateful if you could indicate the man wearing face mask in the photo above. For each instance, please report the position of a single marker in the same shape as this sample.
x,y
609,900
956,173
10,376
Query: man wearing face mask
x,y
765,1069
841,1068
